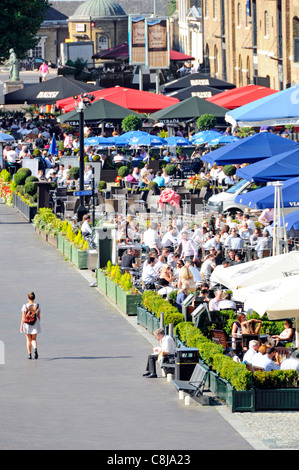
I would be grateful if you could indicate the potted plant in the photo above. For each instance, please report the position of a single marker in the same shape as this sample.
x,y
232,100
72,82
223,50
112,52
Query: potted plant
x,y
79,252
127,296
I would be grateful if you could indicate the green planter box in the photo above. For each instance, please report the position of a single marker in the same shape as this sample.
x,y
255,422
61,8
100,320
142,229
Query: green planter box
x,y
60,243
147,319
79,258
277,399
243,400
111,290
67,249
127,302
53,241
102,281
27,211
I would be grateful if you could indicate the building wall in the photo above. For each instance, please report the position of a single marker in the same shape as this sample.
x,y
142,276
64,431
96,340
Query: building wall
x,y
258,43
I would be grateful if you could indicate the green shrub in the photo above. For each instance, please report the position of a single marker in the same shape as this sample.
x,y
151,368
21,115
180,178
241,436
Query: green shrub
x,y
229,170
74,172
123,171
275,379
102,185
170,169
30,188
206,122
21,175
131,123
31,179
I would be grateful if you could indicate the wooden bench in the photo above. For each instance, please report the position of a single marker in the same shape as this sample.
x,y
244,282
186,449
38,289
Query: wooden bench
x,y
195,386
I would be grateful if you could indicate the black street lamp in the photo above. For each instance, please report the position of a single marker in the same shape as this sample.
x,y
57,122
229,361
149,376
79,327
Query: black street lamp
x,y
85,101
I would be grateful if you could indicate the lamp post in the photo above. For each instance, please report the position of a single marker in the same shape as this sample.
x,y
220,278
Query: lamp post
x,y
85,101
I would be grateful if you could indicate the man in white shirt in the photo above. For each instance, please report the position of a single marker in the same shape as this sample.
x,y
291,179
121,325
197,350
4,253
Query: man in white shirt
x,y
11,156
214,303
249,221
169,240
167,347
207,268
252,350
149,274
292,363
151,238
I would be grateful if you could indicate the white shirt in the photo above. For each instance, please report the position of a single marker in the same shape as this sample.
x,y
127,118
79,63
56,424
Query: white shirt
x,y
257,359
151,238
86,228
11,156
169,240
290,364
167,344
226,304
149,275
248,356
213,304
206,270
267,364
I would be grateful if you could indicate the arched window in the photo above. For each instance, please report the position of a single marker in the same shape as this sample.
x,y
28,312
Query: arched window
x,y
248,76
296,38
215,12
266,24
239,13
216,57
240,71
103,43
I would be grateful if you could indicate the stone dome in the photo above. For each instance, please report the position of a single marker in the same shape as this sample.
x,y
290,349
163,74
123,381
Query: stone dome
x,y
98,9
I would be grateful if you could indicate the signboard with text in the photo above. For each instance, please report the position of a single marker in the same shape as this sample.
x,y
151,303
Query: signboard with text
x,y
157,53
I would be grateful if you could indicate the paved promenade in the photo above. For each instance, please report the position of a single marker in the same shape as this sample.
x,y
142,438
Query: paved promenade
x,y
86,390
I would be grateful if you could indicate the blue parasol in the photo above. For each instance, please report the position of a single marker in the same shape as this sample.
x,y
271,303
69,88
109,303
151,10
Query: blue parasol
x,y
147,140
177,140
204,137
98,140
53,150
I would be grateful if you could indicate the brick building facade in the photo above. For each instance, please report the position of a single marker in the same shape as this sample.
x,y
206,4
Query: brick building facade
x,y
252,41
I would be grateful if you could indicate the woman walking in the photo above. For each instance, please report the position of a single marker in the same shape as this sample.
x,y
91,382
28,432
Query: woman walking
x,y
30,324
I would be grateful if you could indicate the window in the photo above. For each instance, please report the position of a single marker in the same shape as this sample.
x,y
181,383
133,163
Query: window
x,y
103,43
206,8
296,38
239,15
266,24
240,67
216,57
215,9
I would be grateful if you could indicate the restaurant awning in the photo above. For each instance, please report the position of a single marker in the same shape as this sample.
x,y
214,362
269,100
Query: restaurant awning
x,y
50,91
122,52
232,99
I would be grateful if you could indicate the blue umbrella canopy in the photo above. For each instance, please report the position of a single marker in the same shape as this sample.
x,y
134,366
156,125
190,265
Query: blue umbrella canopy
x,y
224,139
53,150
147,140
124,139
277,109
292,223
98,140
177,140
278,168
204,137
251,149
263,198
6,137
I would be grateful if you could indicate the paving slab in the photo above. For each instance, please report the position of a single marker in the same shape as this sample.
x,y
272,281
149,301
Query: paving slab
x,y
86,390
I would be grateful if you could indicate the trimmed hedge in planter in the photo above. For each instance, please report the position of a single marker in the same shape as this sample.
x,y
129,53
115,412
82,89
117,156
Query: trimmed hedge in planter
x,y
127,302
102,281
79,257
26,210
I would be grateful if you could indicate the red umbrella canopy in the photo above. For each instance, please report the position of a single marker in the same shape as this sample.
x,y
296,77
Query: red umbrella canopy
x,y
232,99
136,100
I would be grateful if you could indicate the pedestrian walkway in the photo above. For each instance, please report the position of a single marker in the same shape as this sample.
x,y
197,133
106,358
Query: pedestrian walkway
x,y
86,390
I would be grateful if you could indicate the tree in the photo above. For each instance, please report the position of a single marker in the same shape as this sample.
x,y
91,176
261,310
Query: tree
x,y
131,123
206,122
19,23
